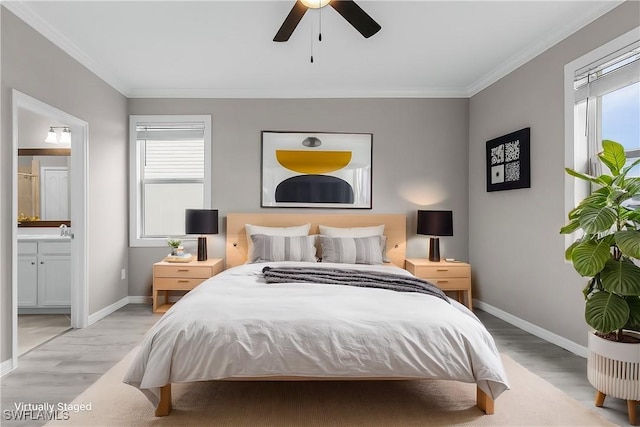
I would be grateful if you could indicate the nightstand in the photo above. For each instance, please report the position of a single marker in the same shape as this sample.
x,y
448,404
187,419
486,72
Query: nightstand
x,y
448,276
171,276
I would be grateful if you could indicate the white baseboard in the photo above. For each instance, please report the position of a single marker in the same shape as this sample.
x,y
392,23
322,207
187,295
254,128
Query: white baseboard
x,y
140,299
6,367
533,329
100,314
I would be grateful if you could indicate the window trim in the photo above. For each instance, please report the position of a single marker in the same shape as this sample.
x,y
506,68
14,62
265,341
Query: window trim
x,y
135,174
575,190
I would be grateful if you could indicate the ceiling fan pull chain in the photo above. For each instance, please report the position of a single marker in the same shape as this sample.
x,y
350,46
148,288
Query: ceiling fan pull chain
x,y
320,25
311,42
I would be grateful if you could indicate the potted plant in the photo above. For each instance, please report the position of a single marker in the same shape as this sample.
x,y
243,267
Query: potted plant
x,y
175,245
608,252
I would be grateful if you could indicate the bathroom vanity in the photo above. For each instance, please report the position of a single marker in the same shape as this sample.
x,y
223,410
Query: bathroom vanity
x,y
44,273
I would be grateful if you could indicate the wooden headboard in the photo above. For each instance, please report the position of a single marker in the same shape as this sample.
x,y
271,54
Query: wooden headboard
x,y
236,245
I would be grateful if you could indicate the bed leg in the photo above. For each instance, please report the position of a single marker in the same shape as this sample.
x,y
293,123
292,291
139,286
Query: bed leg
x,y
164,407
484,402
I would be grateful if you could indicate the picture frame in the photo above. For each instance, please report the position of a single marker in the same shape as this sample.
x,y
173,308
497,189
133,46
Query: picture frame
x,y
316,170
508,161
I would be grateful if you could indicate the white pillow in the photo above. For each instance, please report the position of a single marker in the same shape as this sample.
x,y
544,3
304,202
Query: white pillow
x,y
283,248
351,250
375,230
298,230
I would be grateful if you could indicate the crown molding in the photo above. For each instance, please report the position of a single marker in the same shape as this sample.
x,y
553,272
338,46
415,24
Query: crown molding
x,y
530,53
300,93
22,10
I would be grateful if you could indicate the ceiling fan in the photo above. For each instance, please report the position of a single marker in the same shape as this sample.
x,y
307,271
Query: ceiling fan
x,y
349,10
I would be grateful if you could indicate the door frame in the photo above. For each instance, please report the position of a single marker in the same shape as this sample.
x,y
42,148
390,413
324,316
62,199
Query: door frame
x,y
78,196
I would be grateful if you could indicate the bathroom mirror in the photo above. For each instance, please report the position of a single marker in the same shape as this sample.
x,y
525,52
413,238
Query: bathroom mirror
x,y
43,173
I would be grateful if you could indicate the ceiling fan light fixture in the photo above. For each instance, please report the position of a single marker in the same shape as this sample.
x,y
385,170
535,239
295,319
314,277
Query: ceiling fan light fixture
x,y
315,4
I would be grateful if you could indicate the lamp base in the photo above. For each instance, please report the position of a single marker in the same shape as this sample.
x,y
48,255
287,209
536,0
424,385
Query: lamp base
x,y
434,249
202,248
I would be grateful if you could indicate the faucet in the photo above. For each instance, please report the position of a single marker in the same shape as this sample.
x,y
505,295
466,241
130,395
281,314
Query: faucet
x,y
64,230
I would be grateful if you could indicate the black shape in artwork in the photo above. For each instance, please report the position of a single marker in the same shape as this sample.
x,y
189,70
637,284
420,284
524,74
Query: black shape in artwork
x,y
314,189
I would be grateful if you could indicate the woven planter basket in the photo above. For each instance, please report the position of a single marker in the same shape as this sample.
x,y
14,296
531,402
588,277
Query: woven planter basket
x,y
613,368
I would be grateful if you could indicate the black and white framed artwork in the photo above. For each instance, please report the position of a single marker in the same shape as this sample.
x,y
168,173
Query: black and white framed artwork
x,y
508,164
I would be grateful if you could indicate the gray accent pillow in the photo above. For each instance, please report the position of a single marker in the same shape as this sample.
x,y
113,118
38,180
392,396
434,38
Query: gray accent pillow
x,y
351,250
375,230
283,248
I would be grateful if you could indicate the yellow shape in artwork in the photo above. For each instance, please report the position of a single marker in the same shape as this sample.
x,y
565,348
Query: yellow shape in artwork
x,y
313,162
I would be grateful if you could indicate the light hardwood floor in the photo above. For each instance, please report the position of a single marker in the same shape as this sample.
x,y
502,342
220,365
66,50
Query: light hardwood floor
x,y
62,368
35,329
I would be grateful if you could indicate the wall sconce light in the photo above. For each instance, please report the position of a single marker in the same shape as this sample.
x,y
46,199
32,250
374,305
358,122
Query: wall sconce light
x,y
53,138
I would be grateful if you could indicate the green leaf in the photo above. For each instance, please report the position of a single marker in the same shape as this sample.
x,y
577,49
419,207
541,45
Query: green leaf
x,y
590,257
608,179
571,227
629,242
618,196
634,314
606,312
632,185
626,170
583,176
596,219
613,156
621,277
597,198
569,250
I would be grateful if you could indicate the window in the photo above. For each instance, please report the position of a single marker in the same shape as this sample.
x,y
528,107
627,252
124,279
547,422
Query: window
x,y
170,171
602,101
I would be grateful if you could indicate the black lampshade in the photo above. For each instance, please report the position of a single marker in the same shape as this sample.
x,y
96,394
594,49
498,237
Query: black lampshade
x,y
201,221
435,223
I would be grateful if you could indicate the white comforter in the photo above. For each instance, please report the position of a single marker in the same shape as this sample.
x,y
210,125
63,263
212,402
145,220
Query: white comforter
x,y
235,325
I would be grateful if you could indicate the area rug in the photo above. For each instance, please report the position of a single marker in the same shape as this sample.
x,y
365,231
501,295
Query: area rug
x,y
531,401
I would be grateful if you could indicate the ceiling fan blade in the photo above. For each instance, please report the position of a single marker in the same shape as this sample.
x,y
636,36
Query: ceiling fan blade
x,y
291,22
357,17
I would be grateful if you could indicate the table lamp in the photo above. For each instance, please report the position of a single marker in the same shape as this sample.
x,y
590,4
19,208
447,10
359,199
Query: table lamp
x,y
435,223
201,221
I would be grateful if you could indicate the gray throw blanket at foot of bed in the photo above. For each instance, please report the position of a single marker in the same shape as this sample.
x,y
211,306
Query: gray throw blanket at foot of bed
x,y
349,277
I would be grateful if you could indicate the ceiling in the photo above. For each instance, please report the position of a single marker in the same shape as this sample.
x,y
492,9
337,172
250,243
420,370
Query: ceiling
x,y
219,49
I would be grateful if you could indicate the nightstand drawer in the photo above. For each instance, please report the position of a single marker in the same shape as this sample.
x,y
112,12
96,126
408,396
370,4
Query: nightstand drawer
x,y
201,272
451,284
442,271
176,284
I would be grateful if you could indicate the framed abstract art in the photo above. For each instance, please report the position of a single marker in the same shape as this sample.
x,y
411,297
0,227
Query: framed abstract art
x,y
507,160
316,169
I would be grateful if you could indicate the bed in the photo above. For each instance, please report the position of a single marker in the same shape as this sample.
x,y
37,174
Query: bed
x,y
235,326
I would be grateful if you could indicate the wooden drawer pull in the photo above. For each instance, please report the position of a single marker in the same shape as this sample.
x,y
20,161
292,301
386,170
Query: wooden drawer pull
x,y
442,281
183,281
442,269
183,270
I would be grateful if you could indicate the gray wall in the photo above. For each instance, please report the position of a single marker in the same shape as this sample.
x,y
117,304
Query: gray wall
x,y
419,158
515,248
33,65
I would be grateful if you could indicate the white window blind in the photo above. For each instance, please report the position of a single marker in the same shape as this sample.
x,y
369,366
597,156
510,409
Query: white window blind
x,y
172,152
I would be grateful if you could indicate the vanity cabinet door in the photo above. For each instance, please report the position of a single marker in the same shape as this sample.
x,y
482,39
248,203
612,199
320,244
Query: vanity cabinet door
x,y
27,281
54,280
